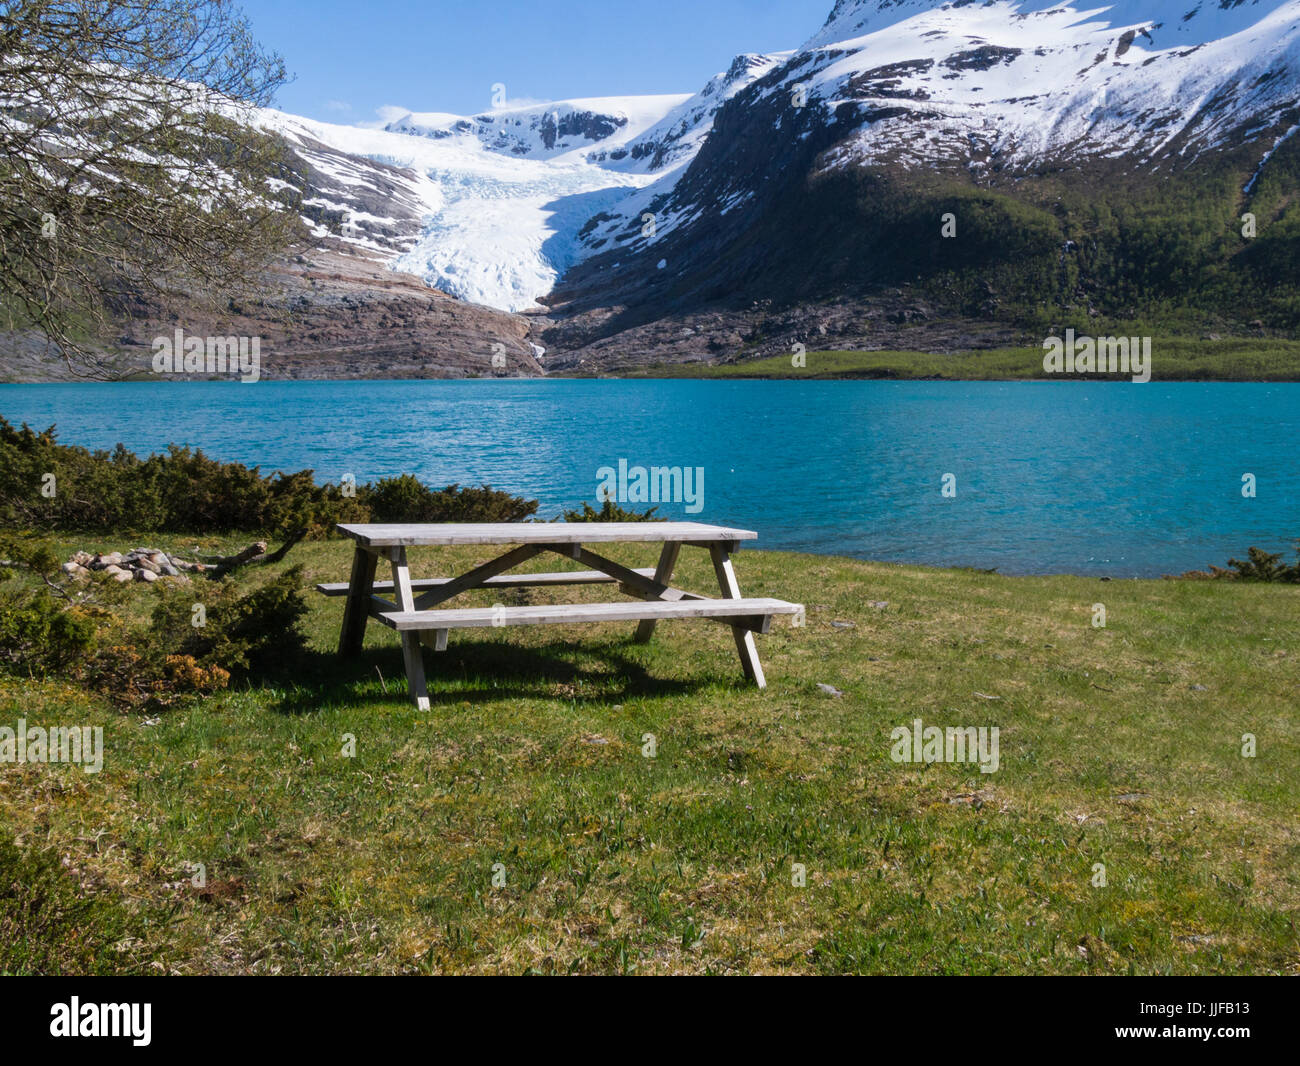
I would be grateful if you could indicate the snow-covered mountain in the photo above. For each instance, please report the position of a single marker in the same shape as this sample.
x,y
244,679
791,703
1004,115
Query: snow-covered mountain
x,y
490,208
1042,81
1003,87
495,208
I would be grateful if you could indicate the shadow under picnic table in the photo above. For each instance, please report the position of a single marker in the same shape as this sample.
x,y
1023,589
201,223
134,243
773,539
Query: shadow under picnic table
x,y
506,671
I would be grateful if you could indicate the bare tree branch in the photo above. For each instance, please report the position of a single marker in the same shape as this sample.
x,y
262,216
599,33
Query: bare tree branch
x,y
131,176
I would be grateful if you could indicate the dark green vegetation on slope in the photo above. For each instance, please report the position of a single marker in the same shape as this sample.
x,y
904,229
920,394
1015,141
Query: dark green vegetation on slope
x,y
1065,243
1173,359
1043,251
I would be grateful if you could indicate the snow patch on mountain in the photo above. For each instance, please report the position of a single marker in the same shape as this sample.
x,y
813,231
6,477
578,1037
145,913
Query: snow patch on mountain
x,y
677,137
1029,82
1172,23
565,131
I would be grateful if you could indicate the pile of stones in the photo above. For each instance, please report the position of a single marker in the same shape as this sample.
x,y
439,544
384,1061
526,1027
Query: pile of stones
x,y
139,564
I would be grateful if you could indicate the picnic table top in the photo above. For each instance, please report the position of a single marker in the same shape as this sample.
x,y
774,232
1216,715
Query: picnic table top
x,y
391,535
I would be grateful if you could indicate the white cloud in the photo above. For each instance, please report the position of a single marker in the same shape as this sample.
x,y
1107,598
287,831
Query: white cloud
x,y
386,114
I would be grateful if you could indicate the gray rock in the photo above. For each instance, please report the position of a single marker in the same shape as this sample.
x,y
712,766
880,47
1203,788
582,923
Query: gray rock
x,y
829,690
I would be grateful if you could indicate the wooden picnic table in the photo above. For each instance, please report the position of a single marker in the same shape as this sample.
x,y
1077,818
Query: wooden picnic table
x,y
411,612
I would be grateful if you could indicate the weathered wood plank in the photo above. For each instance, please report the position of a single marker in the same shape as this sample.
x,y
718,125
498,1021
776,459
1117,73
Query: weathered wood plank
x,y
645,587
379,605
434,638
730,587
411,654
357,611
421,584
384,535
474,578
663,576
734,611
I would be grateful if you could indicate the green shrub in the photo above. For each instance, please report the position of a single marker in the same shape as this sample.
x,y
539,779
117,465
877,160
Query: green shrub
x,y
244,632
406,499
38,635
1260,565
610,512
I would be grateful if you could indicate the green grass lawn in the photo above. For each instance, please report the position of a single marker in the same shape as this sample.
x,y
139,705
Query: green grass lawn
x,y
1119,746
1172,359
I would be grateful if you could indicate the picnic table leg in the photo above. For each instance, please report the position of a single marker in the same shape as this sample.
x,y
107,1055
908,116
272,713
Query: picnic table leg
x,y
357,611
663,576
411,655
744,638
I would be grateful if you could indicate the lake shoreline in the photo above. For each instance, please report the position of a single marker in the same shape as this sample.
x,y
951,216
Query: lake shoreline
x,y
1175,359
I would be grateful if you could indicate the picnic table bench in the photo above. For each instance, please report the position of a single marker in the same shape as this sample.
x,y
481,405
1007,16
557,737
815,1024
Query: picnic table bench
x,y
411,612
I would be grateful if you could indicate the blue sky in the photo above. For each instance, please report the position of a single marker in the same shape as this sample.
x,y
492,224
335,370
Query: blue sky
x,y
352,57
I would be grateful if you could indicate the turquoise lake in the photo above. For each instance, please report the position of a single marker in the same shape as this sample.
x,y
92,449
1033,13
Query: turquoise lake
x,y
1050,477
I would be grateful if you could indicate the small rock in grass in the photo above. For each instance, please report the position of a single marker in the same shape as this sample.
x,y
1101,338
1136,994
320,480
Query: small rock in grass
x,y
830,690
1200,688
878,604
843,625
145,575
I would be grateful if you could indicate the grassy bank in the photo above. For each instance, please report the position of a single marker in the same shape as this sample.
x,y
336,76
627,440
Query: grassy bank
x,y
1119,746
1174,359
